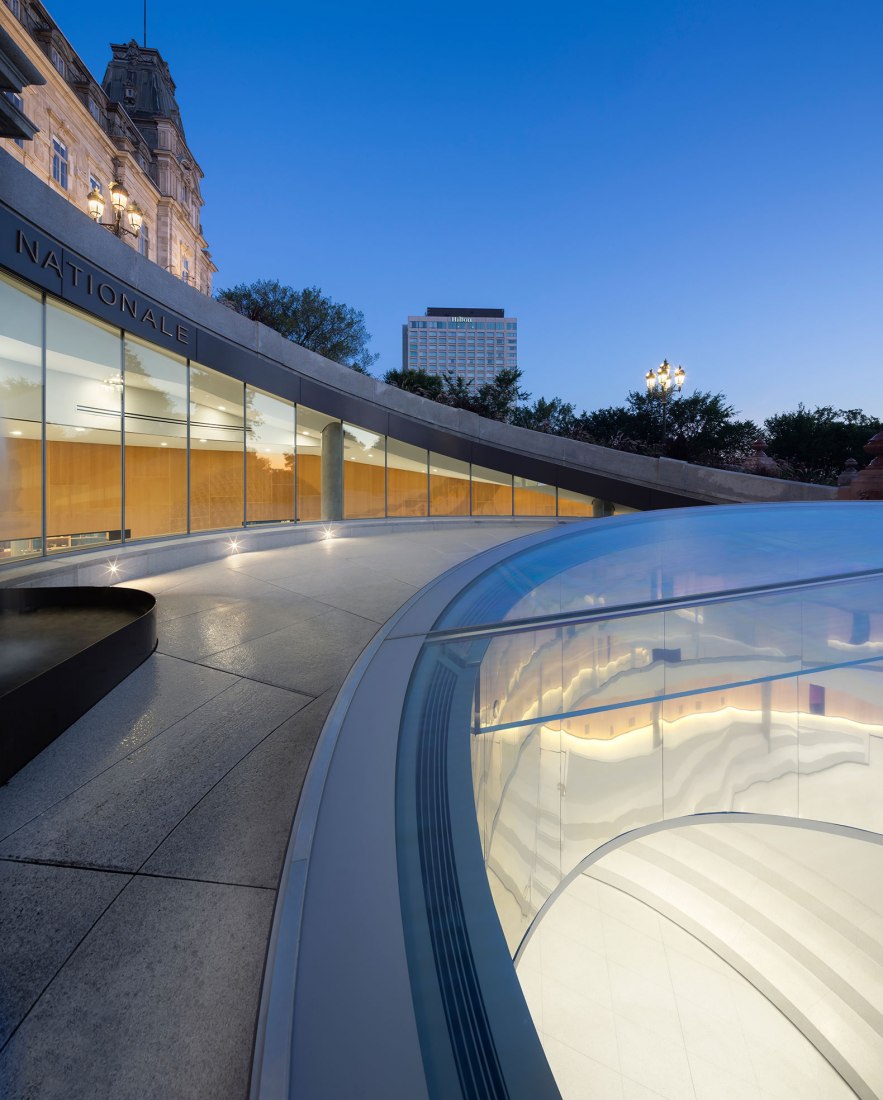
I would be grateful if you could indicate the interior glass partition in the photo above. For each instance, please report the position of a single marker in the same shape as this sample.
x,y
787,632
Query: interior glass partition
x,y
84,392
269,457
449,486
21,421
406,479
155,441
217,450
364,473
491,492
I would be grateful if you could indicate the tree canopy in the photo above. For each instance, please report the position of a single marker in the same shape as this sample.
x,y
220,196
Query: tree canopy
x,y
305,317
700,428
813,445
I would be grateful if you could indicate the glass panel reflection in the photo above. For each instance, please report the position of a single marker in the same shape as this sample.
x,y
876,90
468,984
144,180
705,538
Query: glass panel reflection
x,y
21,421
84,385
269,458
217,448
156,441
574,504
364,473
319,446
449,493
491,492
533,498
405,479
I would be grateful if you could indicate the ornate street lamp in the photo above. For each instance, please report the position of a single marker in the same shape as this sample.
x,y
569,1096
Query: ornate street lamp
x,y
661,382
119,198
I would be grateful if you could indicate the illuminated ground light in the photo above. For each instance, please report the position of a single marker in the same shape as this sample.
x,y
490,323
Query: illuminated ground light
x,y
327,532
113,569
233,546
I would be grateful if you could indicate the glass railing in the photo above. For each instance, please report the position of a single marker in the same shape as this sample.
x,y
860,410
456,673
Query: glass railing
x,y
748,678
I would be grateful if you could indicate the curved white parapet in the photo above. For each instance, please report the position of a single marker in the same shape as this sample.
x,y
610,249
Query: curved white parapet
x,y
532,710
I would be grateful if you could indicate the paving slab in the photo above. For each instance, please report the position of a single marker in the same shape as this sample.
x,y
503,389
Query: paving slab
x,y
156,696
211,630
44,914
311,657
158,1001
117,819
238,833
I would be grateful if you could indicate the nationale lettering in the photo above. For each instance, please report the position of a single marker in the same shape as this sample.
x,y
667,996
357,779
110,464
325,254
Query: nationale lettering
x,y
52,261
24,245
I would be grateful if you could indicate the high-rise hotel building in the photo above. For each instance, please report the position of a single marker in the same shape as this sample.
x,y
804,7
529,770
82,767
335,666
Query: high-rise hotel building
x,y
475,344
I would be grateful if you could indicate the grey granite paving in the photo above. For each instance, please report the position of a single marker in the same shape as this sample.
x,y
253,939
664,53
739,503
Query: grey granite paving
x,y
158,1000
46,911
140,852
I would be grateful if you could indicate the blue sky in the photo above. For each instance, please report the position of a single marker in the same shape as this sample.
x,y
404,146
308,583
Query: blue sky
x,y
632,180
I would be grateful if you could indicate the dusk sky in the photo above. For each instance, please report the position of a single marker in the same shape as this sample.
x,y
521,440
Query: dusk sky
x,y
632,180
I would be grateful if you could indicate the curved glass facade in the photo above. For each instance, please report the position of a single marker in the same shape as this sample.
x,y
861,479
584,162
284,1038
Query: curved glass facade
x,y
107,438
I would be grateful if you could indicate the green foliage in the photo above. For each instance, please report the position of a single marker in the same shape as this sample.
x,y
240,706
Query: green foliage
x,y
555,417
416,381
305,317
497,400
700,428
813,445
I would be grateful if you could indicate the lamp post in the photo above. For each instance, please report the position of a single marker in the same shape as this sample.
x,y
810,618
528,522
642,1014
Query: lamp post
x,y
661,382
119,198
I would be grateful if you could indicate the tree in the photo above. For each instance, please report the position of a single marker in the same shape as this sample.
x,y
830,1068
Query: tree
x,y
416,381
814,445
497,400
701,428
305,317
554,417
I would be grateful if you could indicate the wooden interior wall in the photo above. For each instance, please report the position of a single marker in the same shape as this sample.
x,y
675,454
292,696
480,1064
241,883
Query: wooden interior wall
x,y
364,490
309,487
449,495
269,489
574,507
534,502
83,491
216,491
21,489
491,500
406,492
156,491
83,488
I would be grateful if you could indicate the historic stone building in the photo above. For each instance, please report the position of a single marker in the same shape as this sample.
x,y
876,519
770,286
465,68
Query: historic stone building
x,y
127,130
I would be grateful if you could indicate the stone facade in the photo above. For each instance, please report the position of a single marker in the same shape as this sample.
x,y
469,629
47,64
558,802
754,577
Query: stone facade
x,y
129,130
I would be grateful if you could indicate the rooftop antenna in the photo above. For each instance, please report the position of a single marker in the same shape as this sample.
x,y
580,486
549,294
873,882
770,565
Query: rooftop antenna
x,y
145,24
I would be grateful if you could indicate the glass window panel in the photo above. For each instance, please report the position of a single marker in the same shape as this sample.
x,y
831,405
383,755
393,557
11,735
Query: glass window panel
x,y
21,424
841,725
155,440
406,483
269,458
448,486
491,492
318,439
83,431
364,473
217,441
533,498
573,504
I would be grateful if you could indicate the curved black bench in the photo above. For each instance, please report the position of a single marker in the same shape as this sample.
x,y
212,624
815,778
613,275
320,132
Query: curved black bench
x,y
61,650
